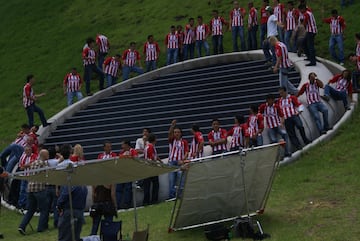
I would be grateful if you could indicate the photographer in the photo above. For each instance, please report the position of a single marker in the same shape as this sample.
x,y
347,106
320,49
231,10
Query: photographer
x,y
104,204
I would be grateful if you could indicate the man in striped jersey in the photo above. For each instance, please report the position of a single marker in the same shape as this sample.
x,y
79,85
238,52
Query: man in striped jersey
x,y
311,30
150,153
72,86
29,99
25,161
291,108
292,16
172,43
238,133
107,153
151,52
217,138
189,40
217,27
103,48
129,59
11,154
342,90
274,121
279,11
124,190
237,15
178,155
202,32
337,27
255,124
311,89
283,64
89,60
111,69
252,27
197,143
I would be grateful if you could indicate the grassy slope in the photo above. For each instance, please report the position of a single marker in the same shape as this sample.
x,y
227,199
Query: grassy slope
x,y
46,38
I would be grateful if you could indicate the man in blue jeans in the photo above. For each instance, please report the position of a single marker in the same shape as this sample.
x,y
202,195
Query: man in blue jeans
x,y
237,26
72,219
29,98
311,89
37,198
337,26
342,90
89,61
202,32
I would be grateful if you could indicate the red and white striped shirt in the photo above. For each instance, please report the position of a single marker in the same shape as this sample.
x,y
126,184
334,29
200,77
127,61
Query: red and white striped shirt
x,y
282,52
72,82
252,19
216,25
264,16
104,155
150,152
357,50
88,56
172,41
255,123
22,140
189,34
279,12
27,159
272,114
237,134
202,31
111,66
312,92
218,135
130,57
151,51
310,22
236,17
289,105
28,94
131,152
337,25
103,43
291,19
341,84
194,147
178,149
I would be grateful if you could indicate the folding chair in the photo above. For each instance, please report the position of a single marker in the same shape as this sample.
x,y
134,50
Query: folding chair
x,y
110,230
141,235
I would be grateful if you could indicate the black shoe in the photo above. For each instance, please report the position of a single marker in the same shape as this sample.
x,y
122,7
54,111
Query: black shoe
x,y
89,94
325,97
347,108
46,124
21,231
299,54
307,141
310,64
287,155
323,132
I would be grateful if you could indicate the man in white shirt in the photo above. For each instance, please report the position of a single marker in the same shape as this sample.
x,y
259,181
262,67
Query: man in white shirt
x,y
141,142
272,31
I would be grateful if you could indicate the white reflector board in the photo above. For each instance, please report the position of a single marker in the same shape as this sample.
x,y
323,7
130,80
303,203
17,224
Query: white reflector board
x,y
98,172
214,188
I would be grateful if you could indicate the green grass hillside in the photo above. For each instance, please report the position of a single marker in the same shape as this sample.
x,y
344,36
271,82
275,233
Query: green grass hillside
x,y
314,199
46,38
